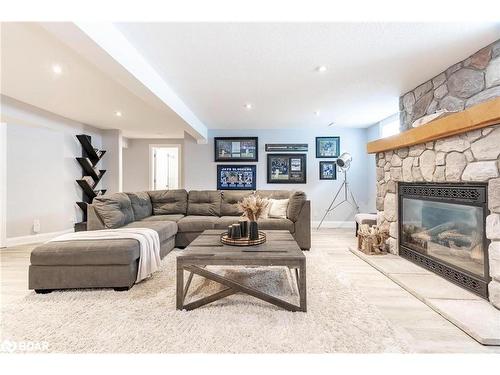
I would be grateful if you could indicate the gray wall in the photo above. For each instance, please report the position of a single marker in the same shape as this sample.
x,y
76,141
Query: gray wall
x,y
200,169
41,168
112,142
136,162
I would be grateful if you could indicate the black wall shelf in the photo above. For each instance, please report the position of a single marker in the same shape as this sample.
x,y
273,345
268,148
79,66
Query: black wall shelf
x,y
91,176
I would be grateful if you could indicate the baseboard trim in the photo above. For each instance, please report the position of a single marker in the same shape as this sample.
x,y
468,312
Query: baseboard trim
x,y
333,224
35,238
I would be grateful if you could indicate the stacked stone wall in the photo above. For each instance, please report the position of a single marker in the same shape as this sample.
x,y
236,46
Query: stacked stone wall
x,y
469,82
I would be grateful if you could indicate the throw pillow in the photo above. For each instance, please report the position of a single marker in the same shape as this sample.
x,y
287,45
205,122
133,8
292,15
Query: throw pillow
x,y
278,208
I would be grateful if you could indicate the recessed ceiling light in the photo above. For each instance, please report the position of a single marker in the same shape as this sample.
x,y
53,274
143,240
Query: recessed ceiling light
x,y
321,69
118,114
317,113
56,68
248,106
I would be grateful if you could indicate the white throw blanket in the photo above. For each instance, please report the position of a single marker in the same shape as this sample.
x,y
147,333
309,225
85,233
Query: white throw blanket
x,y
149,245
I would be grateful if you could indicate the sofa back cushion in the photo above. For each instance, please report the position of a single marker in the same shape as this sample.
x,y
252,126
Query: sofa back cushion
x,y
115,210
204,203
141,205
229,203
297,200
295,203
274,194
167,202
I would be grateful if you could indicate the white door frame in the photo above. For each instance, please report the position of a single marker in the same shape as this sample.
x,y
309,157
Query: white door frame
x,y
3,184
179,161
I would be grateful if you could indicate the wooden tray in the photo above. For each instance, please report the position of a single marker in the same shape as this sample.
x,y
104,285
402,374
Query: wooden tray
x,y
243,241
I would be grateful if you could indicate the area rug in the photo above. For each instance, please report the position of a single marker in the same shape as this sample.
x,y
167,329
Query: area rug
x,y
144,319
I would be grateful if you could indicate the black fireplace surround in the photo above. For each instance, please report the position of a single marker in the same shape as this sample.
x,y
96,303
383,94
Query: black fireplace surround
x,y
442,228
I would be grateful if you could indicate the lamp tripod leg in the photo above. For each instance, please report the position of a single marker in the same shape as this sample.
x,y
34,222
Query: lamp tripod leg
x,y
353,199
331,204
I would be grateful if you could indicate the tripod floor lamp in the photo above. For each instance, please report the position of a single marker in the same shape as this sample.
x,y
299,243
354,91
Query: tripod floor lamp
x,y
343,163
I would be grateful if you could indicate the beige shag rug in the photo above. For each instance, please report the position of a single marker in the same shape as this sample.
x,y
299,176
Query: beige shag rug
x,y
144,319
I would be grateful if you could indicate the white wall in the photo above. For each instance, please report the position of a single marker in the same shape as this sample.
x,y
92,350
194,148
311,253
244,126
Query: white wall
x,y
200,169
136,162
3,184
111,141
41,169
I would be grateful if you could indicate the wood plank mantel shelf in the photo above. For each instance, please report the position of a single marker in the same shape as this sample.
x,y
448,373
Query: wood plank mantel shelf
x,y
475,117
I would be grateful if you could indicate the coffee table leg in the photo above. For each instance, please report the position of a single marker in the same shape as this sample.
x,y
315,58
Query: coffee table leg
x,y
297,279
303,286
180,286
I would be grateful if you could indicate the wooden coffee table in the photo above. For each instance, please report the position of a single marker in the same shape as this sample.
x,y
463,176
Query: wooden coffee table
x,y
280,249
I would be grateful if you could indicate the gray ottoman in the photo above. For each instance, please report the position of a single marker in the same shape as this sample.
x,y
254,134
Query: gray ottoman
x,y
91,263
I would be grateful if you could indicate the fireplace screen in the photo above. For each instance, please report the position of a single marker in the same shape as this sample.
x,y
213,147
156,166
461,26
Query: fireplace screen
x,y
449,232
441,227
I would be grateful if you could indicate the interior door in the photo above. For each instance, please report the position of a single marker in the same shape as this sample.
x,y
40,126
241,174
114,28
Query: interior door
x,y
165,168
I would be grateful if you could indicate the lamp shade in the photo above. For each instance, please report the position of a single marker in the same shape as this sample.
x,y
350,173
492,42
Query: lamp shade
x,y
344,161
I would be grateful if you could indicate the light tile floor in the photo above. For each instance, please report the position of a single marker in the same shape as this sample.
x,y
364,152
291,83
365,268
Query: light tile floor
x,y
425,330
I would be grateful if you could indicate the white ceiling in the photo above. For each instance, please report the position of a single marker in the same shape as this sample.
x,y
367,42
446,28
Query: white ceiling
x,y
91,88
216,68
204,73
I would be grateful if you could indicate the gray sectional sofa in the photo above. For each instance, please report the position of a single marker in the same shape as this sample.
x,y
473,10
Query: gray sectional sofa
x,y
177,215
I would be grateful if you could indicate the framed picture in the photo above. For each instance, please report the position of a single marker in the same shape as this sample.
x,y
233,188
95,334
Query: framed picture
x,y
327,170
286,147
327,147
236,149
236,177
286,168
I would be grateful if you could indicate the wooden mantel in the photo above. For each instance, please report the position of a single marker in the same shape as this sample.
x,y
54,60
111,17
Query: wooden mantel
x,y
475,117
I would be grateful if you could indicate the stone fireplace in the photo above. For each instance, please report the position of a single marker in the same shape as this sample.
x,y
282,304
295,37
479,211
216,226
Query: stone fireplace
x,y
463,160
441,228
449,154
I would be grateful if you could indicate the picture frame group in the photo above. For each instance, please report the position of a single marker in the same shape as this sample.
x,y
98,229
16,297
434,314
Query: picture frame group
x,y
236,149
286,168
236,177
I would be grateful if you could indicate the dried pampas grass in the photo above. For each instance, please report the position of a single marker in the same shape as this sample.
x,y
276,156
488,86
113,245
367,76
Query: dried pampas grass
x,y
253,206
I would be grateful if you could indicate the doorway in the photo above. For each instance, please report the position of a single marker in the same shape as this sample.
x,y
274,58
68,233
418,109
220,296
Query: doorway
x,y
164,167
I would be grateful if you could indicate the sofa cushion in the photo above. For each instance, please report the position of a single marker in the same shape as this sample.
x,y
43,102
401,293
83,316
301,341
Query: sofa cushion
x,y
197,223
171,217
166,202
115,210
86,252
276,224
165,229
297,200
277,208
141,204
274,194
204,203
224,221
229,202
